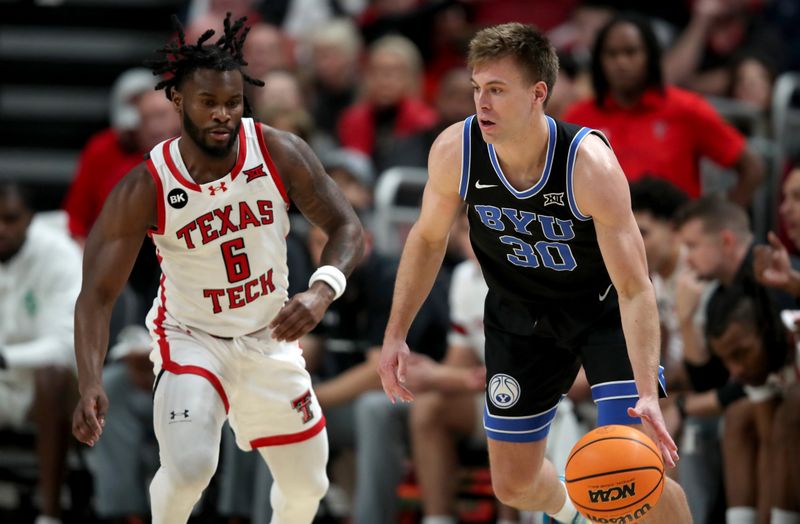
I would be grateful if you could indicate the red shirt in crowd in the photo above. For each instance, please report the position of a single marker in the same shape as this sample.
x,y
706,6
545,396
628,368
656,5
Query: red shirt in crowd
x,y
664,135
102,164
356,126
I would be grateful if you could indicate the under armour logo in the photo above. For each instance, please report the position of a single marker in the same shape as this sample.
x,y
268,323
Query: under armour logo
x,y
256,172
303,405
554,199
213,189
173,415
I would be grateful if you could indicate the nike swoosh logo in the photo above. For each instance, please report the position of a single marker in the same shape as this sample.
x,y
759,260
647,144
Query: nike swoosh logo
x,y
478,185
603,295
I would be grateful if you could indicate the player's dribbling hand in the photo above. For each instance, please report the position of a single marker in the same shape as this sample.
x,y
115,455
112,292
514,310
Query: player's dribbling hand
x,y
302,313
650,412
90,415
392,369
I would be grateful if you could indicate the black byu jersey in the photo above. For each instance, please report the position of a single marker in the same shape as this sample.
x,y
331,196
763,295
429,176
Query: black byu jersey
x,y
533,245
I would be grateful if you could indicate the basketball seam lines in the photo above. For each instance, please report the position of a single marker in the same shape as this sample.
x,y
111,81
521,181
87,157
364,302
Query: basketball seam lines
x,y
575,452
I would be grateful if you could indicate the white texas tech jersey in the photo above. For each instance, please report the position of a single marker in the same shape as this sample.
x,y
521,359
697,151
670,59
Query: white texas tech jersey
x,y
221,245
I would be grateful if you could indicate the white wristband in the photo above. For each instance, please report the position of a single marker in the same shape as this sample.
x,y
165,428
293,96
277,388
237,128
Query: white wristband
x,y
762,393
332,276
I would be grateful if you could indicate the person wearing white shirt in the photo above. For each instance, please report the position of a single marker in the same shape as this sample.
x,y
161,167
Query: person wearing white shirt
x,y
40,276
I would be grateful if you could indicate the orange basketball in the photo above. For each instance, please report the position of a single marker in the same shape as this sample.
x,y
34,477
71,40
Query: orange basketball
x,y
615,474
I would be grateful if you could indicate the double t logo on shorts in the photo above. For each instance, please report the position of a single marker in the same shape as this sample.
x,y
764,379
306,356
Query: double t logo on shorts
x,y
303,405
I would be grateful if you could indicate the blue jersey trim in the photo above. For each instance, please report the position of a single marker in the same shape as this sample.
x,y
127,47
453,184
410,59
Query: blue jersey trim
x,y
573,152
551,147
466,156
620,389
616,412
527,424
519,437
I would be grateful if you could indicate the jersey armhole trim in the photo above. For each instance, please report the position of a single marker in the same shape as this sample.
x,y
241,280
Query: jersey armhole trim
x,y
241,154
466,157
160,211
273,171
571,155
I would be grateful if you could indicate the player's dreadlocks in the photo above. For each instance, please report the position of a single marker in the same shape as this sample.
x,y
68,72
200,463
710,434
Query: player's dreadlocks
x,y
179,59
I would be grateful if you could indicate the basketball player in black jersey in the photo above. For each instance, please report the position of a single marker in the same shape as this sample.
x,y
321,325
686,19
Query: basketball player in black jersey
x,y
552,227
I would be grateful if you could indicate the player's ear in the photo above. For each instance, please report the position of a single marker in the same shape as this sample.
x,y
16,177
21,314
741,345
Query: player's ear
x,y
177,99
539,93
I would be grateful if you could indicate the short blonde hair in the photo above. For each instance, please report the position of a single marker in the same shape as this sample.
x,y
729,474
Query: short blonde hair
x,y
532,51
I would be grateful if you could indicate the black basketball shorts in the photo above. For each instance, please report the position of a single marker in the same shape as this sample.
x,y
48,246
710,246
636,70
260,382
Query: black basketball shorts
x,y
533,354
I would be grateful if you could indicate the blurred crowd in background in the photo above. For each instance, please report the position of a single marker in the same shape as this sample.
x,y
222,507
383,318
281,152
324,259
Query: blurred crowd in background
x,y
699,98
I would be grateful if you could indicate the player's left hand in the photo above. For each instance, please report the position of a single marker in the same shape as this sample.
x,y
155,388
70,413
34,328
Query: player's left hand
x,y
649,411
302,313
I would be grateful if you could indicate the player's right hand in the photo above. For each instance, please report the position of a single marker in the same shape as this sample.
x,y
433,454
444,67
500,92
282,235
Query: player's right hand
x,y
90,415
392,369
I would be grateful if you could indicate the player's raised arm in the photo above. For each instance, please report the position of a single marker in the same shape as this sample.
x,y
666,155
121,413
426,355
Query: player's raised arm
x,y
319,199
422,256
111,249
602,192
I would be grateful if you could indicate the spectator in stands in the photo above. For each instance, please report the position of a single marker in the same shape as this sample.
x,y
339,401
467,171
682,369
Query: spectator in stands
x,y
155,120
158,120
335,54
353,173
267,49
569,87
720,246
126,458
40,276
109,154
655,203
280,104
449,405
717,31
756,352
656,128
774,268
752,79
454,103
390,109
358,414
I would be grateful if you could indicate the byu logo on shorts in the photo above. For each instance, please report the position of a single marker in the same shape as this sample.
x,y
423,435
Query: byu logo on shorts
x,y
504,391
178,198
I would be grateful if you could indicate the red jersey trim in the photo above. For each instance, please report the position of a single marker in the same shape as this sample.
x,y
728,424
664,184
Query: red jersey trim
x,y
276,177
160,215
289,438
167,364
174,169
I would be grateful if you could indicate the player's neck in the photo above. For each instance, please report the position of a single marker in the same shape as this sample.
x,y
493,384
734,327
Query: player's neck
x,y
203,167
523,156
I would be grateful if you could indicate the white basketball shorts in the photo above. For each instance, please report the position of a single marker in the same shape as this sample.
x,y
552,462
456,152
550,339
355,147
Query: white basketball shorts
x,y
263,384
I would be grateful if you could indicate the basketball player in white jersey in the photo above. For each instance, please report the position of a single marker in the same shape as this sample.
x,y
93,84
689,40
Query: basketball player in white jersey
x,y
214,201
